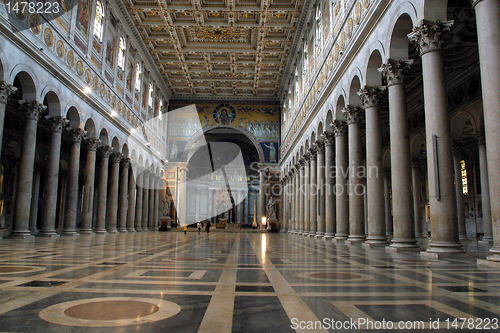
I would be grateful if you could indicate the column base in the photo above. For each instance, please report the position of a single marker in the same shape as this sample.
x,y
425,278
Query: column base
x,y
389,233
131,229
328,236
391,249
368,246
376,240
100,231
72,233
312,233
445,247
20,234
355,239
445,255
319,234
404,243
486,240
86,232
494,254
112,230
463,238
122,229
340,238
488,263
47,233
145,229
138,229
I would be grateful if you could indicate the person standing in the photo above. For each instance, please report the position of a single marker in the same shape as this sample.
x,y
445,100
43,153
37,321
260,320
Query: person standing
x,y
199,225
207,227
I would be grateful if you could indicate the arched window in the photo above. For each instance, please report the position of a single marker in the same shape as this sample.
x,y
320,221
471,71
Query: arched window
x,y
138,72
99,20
150,95
121,53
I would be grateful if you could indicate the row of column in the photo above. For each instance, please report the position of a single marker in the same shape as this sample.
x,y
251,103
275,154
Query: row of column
x,y
127,206
346,220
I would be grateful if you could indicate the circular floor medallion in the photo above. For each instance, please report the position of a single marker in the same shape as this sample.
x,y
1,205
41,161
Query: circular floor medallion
x,y
4,269
335,276
189,259
109,312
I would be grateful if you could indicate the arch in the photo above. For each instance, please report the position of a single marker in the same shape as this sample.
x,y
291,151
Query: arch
x,y
373,76
320,131
329,120
198,135
133,156
355,87
103,136
463,122
338,109
313,138
417,146
51,100
27,85
74,118
399,41
115,143
90,128
125,151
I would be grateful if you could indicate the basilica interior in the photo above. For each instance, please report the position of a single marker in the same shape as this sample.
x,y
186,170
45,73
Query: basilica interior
x,y
249,165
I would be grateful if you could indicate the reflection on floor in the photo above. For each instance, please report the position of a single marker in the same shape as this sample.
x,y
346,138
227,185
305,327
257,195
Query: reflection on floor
x,y
234,282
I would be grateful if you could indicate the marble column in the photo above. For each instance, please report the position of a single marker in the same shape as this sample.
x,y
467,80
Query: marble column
x,y
20,224
301,196
313,193
88,193
307,194
35,198
145,200
296,205
387,202
291,227
48,227
71,209
112,203
330,213
341,191
417,212
371,97
182,195
488,33
462,231
6,90
131,200
442,198
402,198
139,198
485,188
262,195
356,189
151,215
321,211
122,208
102,188
156,209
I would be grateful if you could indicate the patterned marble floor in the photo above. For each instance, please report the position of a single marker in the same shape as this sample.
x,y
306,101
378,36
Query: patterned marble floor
x,y
237,282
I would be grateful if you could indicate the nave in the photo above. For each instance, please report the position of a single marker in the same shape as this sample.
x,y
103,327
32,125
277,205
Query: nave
x,y
232,282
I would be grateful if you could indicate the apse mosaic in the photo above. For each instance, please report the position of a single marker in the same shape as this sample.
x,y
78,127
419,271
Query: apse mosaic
x,y
259,121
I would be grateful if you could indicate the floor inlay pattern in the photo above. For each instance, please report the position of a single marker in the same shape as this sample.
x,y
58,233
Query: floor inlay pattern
x,y
232,282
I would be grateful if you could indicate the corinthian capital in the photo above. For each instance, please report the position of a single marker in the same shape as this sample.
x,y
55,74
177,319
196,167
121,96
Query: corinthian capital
x,y
320,147
6,90
328,138
105,151
353,114
395,71
430,36
57,123
92,143
77,134
339,127
371,96
32,110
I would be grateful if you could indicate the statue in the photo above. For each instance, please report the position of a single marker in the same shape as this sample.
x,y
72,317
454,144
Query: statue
x,y
166,206
272,152
173,152
271,209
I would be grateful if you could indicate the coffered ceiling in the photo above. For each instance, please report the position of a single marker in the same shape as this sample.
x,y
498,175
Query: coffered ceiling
x,y
220,48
